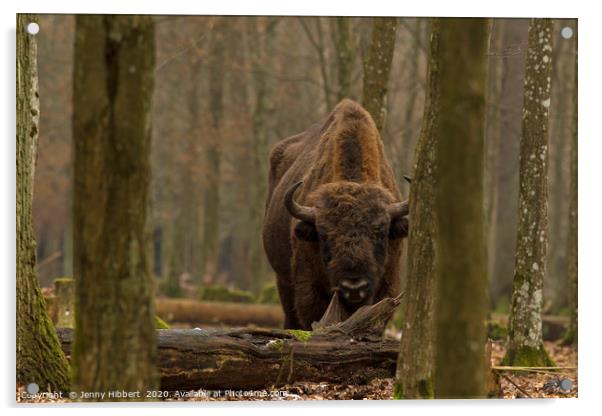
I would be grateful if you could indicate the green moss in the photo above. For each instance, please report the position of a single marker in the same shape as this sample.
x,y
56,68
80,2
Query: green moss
x,y
503,305
398,319
160,323
277,344
170,288
496,331
63,280
300,335
269,294
398,390
224,294
528,357
565,311
570,337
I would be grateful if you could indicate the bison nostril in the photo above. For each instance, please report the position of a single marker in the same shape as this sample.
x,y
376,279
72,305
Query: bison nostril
x,y
354,291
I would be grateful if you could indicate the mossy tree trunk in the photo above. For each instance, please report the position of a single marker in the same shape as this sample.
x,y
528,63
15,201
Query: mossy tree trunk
x,y
525,343
378,66
571,336
416,358
39,356
114,345
461,301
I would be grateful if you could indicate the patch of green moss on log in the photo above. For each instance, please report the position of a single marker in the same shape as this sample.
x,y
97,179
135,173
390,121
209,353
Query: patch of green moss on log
x,y
276,344
300,335
64,280
160,323
224,294
269,294
528,357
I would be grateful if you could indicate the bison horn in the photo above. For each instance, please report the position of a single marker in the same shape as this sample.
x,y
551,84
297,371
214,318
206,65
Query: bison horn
x,y
301,212
398,209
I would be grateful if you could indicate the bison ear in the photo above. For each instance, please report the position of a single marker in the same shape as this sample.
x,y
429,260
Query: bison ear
x,y
306,231
399,228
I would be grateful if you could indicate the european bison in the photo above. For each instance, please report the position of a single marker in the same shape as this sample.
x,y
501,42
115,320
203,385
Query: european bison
x,y
333,218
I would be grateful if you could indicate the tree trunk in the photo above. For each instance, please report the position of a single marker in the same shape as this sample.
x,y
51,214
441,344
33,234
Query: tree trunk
x,y
344,49
213,156
461,257
525,344
561,108
260,55
503,228
114,343
493,135
571,337
39,357
377,68
415,364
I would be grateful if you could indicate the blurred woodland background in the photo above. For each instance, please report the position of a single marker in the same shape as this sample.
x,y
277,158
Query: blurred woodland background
x,y
227,88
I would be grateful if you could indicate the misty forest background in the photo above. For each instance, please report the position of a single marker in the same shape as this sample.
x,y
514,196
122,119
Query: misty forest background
x,y
227,89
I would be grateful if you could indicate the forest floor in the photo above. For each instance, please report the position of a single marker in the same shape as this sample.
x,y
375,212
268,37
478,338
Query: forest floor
x,y
513,384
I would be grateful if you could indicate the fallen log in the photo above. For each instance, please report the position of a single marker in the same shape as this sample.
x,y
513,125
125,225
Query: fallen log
x,y
196,313
350,352
262,358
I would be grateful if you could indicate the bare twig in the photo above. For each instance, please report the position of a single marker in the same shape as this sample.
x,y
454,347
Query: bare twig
x,y
517,386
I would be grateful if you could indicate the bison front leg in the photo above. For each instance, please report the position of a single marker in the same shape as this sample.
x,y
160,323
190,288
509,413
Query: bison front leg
x,y
310,302
286,291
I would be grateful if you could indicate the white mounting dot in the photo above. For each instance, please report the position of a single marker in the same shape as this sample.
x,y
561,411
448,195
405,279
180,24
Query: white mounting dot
x,y
33,28
566,32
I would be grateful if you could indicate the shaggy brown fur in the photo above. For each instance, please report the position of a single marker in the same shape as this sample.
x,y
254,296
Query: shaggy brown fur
x,y
349,182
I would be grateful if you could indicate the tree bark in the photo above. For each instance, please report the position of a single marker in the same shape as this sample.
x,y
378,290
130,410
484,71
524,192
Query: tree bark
x,y
209,254
416,358
377,68
344,50
114,342
573,242
461,303
525,344
39,357
260,54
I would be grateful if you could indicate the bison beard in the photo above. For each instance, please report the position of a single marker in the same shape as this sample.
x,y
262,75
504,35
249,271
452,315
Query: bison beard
x,y
333,220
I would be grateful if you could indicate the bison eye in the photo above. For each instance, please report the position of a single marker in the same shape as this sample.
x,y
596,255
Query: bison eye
x,y
399,228
306,231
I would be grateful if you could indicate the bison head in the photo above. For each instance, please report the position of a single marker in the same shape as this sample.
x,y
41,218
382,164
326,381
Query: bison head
x,y
353,224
